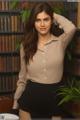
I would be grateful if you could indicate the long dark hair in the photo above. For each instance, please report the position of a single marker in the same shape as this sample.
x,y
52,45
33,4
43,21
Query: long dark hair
x,y
30,41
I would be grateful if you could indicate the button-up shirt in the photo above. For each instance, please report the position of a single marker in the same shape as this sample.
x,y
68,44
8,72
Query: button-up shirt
x,y
47,63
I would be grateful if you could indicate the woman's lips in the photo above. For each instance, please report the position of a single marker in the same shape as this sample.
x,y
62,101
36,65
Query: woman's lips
x,y
42,28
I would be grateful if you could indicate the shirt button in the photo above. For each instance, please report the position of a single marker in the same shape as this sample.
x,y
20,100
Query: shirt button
x,y
44,69
43,53
45,47
44,61
45,78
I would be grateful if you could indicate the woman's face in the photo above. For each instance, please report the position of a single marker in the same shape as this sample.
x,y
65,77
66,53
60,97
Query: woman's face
x,y
43,23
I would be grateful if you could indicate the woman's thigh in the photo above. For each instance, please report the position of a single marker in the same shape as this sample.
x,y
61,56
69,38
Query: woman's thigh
x,y
23,115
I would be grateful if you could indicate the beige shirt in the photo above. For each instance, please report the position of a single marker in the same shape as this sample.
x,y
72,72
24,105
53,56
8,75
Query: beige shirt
x,y
47,64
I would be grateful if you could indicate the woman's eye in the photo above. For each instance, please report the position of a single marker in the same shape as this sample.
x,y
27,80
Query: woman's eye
x,y
37,20
47,19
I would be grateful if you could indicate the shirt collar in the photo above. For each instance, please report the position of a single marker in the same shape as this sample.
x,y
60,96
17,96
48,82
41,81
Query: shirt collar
x,y
48,42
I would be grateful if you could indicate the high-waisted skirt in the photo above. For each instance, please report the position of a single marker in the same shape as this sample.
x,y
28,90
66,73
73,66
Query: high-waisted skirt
x,y
41,100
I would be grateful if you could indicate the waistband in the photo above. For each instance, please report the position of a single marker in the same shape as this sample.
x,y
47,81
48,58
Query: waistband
x,y
29,81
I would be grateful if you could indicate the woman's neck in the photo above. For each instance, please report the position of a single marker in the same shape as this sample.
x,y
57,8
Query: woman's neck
x,y
44,38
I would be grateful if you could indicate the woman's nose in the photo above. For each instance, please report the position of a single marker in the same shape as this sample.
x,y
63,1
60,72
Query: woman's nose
x,y
42,23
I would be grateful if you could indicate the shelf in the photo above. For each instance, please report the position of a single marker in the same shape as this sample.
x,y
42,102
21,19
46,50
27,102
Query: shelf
x,y
70,73
75,55
10,12
9,54
11,33
7,92
11,73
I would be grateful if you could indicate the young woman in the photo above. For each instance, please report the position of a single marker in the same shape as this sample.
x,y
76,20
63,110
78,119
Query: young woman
x,y
42,56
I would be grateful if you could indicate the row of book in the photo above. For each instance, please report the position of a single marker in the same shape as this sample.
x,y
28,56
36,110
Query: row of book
x,y
6,4
9,43
10,23
8,83
9,64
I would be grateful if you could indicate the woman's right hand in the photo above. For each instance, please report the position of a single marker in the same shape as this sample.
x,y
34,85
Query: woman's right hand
x,y
15,105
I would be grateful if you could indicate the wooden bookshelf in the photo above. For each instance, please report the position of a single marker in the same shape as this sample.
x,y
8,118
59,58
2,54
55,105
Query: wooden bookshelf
x,y
10,33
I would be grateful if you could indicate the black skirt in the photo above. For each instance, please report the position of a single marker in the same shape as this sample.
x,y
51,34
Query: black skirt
x,y
41,100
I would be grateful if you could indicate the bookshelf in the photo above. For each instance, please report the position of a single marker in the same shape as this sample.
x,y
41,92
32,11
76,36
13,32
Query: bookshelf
x,y
11,30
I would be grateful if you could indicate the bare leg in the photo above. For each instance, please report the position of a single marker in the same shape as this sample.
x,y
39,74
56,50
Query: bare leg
x,y
24,115
56,118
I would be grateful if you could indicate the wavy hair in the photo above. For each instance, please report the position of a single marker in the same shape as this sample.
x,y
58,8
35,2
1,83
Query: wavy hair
x,y
30,41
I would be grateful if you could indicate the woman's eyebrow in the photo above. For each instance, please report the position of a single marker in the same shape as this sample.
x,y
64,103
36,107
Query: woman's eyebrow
x,y
42,18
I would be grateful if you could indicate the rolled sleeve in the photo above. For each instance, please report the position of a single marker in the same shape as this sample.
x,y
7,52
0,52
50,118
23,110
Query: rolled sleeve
x,y
21,83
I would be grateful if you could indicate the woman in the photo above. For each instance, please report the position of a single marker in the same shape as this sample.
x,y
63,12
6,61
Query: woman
x,y
42,56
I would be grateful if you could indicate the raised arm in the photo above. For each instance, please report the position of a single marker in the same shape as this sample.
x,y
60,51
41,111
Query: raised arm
x,y
21,83
68,27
